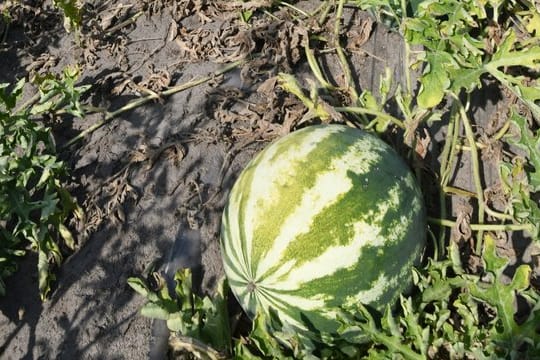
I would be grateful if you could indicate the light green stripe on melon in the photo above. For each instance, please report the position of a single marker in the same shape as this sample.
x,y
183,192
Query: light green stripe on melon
x,y
372,294
366,230
258,192
391,254
343,256
287,305
287,165
236,260
332,182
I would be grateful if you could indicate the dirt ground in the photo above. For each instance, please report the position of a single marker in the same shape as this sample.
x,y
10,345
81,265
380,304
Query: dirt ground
x,y
153,180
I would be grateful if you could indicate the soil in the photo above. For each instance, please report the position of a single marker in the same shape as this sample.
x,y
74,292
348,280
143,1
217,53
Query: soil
x,y
153,180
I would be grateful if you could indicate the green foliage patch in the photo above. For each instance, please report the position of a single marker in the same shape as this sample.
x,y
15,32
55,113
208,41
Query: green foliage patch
x,y
34,204
456,311
454,314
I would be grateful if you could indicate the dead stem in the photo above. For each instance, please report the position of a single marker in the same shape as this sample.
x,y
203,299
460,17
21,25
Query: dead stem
x,y
315,68
143,100
342,57
447,157
125,23
476,173
457,191
300,11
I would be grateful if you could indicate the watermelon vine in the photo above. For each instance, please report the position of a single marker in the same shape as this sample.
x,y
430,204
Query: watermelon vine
x,y
467,302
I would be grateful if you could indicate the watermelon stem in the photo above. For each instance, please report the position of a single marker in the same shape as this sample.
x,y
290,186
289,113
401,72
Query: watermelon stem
x,y
448,155
363,111
476,172
483,227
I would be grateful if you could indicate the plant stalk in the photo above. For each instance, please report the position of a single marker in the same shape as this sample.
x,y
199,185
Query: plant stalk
x,y
476,174
483,227
342,57
364,111
143,100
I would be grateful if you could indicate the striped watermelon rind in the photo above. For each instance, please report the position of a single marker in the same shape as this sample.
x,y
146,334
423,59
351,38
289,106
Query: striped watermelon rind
x,y
324,217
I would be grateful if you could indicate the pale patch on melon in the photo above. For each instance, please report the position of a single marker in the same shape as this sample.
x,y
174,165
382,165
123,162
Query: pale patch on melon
x,y
378,287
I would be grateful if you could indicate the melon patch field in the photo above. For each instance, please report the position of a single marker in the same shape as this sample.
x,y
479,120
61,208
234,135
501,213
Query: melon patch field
x,y
269,179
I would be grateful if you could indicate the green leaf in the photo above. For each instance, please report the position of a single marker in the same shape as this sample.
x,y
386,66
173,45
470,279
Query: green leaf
x,y
530,143
246,15
516,186
44,277
9,100
414,330
216,326
242,351
263,341
510,335
138,285
155,311
513,53
203,319
435,80
369,102
510,53
67,236
72,13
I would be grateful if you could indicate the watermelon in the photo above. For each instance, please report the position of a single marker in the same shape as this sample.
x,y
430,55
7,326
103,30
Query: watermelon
x,y
324,217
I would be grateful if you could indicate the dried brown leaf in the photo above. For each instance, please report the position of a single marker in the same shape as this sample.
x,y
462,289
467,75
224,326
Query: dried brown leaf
x,y
462,230
422,144
359,34
157,81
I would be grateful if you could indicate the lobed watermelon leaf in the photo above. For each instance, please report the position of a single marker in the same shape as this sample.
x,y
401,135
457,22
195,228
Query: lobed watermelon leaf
x,y
435,80
508,334
191,316
530,143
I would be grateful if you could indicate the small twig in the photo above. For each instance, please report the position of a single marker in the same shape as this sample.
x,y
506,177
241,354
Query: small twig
x,y
502,131
145,39
315,68
269,14
370,54
497,214
453,133
300,11
458,191
447,158
407,60
30,102
498,136
141,101
124,23
325,10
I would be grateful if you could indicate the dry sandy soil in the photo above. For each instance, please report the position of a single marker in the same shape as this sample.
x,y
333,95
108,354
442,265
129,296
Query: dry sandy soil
x,y
153,180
